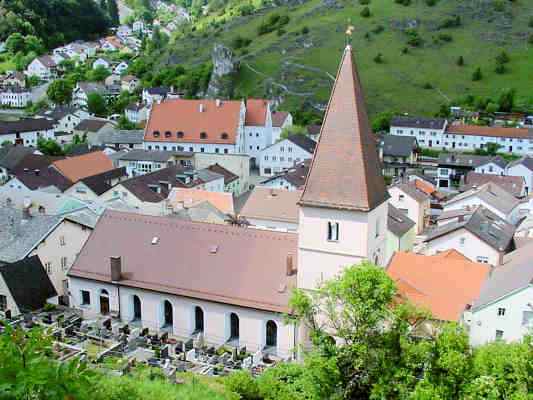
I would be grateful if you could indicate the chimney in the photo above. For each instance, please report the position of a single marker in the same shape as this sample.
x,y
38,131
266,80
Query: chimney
x,y
37,172
116,268
291,269
25,215
201,108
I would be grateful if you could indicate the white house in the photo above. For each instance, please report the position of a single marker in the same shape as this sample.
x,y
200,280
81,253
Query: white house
x,y
129,83
524,168
495,166
136,112
490,196
411,201
257,128
154,95
140,162
14,96
121,68
26,131
43,67
101,62
481,236
65,119
82,90
285,154
401,233
504,309
204,126
280,121
293,179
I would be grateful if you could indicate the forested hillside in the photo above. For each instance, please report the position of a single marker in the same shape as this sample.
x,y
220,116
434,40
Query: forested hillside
x,y
54,22
413,55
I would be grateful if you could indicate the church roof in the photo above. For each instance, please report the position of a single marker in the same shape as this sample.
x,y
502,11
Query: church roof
x,y
345,172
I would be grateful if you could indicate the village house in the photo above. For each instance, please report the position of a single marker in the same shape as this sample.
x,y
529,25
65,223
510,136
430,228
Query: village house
x,y
427,131
185,198
274,209
82,90
91,129
445,284
336,228
280,120
398,154
155,95
257,128
111,44
234,164
411,201
401,232
210,126
66,118
24,287
136,112
43,67
494,165
130,83
121,139
140,162
232,183
285,154
504,310
10,157
291,179
14,96
92,187
491,196
524,168
26,131
514,185
480,235
102,62
83,166
34,172
121,68
13,78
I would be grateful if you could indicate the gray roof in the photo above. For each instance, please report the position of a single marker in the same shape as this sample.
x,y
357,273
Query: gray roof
x,y
398,146
203,212
25,125
483,223
397,222
465,160
18,237
147,155
122,137
207,175
499,161
514,274
491,194
411,190
526,161
454,214
418,122
11,156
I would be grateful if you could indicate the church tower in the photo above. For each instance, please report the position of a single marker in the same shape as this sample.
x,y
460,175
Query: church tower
x,y
343,208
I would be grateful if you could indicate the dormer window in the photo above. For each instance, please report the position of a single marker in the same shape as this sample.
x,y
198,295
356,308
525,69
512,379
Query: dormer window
x,y
333,231
203,135
168,134
180,135
224,135
156,134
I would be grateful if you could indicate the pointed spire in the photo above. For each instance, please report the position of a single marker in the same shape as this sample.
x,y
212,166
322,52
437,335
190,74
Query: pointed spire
x,y
345,172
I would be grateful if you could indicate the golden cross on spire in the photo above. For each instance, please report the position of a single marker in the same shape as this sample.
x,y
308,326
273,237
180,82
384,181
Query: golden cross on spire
x,y
349,32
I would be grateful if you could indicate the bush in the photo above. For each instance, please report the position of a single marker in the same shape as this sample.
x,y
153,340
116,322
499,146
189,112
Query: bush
x,y
274,22
451,22
427,86
405,50
242,383
364,2
281,32
378,59
378,29
503,57
365,12
530,23
500,68
305,30
403,2
460,61
530,38
240,42
499,5
431,3
477,75
445,37
414,38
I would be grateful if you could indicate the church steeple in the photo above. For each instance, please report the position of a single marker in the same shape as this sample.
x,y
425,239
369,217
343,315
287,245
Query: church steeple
x,y
345,172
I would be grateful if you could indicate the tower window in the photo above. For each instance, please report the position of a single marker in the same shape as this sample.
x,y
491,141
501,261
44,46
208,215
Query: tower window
x,y
333,231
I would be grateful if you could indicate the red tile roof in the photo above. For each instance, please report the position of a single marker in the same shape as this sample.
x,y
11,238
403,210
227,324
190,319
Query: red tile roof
x,y
256,112
232,265
79,167
173,116
279,118
493,131
445,283
345,172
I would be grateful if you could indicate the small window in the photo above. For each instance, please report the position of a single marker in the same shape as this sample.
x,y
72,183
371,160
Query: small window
x,y
180,135
203,135
401,197
62,241
156,134
85,297
225,151
224,135
501,312
48,268
217,150
168,134
63,263
499,334
527,318
462,241
333,231
3,302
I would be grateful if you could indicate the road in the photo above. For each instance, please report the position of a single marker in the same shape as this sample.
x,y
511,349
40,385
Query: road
x,y
123,10
39,92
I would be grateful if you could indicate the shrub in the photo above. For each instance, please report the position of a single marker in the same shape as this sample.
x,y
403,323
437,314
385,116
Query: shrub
x,y
460,61
242,383
445,37
378,59
305,30
477,75
530,39
500,68
431,3
403,2
499,5
427,86
451,22
281,32
240,42
414,38
365,12
405,50
378,29
274,21
502,57
530,23
364,2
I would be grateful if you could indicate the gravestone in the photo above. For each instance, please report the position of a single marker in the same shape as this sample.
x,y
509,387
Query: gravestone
x,y
247,363
144,332
165,352
257,357
164,337
189,344
191,355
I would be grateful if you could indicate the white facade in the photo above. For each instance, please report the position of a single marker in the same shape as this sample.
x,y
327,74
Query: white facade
x,y
508,318
415,210
70,121
38,69
101,62
121,68
29,138
273,225
216,321
490,168
361,235
256,138
467,244
279,183
523,171
473,201
276,130
15,97
280,157
136,115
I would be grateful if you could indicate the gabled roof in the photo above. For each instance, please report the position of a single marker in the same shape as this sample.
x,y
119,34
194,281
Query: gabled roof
x,y
122,137
446,284
397,222
91,125
34,172
256,112
101,183
279,118
296,176
398,146
464,160
272,204
526,161
26,125
499,161
304,142
512,184
418,122
47,61
10,156
491,131
345,172
228,175
492,194
412,191
187,198
485,225
28,283
156,156
231,265
180,120
514,274
79,167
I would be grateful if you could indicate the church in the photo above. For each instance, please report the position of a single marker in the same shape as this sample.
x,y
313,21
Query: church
x,y
231,285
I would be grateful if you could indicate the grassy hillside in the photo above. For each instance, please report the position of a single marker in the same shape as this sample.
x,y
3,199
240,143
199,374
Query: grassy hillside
x,y
298,65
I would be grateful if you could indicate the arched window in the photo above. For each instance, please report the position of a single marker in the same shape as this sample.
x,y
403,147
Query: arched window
x,y
203,135
156,133
180,134
104,302
137,312
168,311
271,334
198,319
234,326
168,134
224,135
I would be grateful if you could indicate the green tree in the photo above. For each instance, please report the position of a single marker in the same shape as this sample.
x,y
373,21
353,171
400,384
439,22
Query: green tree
x,y
506,100
477,75
49,147
381,122
59,92
112,10
98,74
292,130
460,61
96,104
15,43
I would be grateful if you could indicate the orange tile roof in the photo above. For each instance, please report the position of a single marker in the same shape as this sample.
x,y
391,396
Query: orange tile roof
x,y
272,204
184,116
179,198
256,112
424,187
494,131
445,283
79,167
